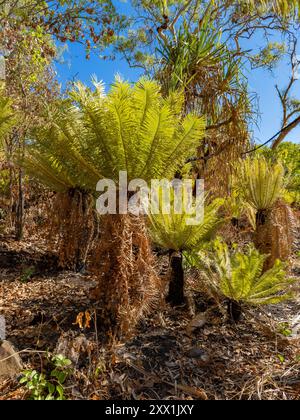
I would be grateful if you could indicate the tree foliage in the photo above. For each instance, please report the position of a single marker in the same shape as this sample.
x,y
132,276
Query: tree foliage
x,y
6,118
90,22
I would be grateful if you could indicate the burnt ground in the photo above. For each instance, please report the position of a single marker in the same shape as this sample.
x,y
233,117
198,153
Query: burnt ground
x,y
165,359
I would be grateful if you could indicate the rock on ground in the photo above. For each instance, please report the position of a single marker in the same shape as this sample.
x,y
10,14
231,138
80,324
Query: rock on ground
x,y
10,362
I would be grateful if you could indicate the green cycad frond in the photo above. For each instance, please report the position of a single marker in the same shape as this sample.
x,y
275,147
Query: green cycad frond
x,y
132,128
6,117
48,171
57,155
240,277
137,131
172,231
259,182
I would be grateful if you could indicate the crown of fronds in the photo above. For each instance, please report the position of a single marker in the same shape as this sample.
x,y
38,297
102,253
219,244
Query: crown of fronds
x,y
239,276
132,128
172,231
259,182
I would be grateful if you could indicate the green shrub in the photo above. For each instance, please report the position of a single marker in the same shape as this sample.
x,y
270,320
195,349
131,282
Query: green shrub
x,y
239,277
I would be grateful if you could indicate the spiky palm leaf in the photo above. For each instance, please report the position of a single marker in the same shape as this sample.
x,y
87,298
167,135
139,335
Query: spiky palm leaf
x,y
56,152
171,231
137,131
185,55
259,182
240,277
131,129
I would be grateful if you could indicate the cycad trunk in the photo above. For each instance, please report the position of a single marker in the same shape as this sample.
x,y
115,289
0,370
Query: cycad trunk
x,y
128,284
275,233
234,311
176,287
73,224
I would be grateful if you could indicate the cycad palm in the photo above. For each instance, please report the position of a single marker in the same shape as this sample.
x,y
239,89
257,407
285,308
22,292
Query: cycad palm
x,y
172,231
134,129
131,129
55,156
239,277
260,183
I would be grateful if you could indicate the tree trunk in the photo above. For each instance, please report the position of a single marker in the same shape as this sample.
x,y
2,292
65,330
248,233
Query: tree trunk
x,y
176,287
127,282
20,208
11,197
234,311
275,233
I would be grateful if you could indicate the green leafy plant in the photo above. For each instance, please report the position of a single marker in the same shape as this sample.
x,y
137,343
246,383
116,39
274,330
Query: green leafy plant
x,y
6,117
285,329
173,232
289,155
259,183
281,358
48,386
27,274
239,277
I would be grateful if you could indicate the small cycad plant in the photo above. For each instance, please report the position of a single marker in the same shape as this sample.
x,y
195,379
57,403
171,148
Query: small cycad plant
x,y
173,232
239,277
260,185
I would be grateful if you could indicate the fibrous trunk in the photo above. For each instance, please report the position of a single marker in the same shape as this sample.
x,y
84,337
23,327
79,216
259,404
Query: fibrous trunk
x,y
176,286
127,282
73,225
275,233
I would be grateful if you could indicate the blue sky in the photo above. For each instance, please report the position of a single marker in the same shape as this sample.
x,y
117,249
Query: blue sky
x,y
260,81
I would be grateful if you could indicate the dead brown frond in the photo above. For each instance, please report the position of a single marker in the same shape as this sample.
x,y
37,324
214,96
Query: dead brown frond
x,y
72,227
128,284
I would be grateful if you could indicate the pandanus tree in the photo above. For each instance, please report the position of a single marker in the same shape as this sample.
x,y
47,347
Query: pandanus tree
x,y
174,232
132,129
